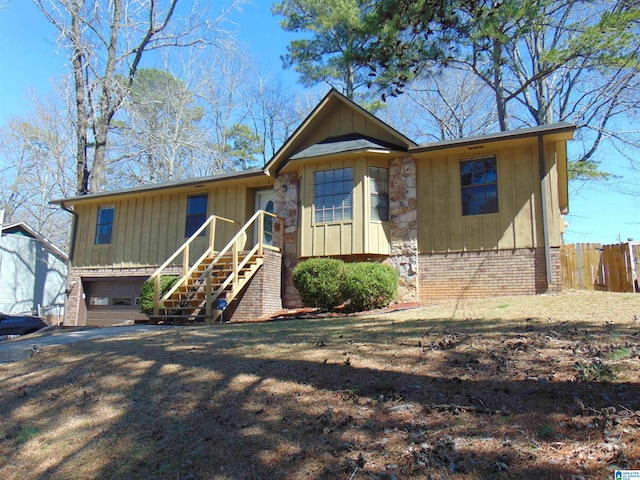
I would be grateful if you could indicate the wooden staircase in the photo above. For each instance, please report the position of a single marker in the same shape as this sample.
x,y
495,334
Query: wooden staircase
x,y
189,301
214,276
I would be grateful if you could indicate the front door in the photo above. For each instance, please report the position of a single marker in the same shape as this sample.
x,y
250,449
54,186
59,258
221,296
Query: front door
x,y
264,201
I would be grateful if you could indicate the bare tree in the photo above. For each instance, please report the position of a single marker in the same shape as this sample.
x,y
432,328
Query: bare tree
x,y
158,130
200,121
35,157
556,61
555,73
452,103
272,112
107,42
221,92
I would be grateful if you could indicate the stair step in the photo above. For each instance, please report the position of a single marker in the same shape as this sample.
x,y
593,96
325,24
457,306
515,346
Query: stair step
x,y
222,274
215,281
216,278
225,268
192,289
177,302
185,309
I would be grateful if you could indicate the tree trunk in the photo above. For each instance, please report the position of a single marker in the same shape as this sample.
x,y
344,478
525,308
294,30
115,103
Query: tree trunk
x,y
544,112
78,62
108,104
349,81
501,106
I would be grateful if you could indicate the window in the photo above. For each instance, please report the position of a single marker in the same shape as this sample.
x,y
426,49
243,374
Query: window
x,y
268,223
479,182
196,213
101,301
104,224
333,197
379,186
121,301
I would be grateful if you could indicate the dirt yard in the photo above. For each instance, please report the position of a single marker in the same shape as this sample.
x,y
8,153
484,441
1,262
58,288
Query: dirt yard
x,y
511,387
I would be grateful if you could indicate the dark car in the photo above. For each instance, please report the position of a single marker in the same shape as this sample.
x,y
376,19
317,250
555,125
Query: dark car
x,y
19,324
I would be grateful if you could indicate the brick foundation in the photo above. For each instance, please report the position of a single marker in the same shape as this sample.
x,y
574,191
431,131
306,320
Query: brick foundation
x,y
262,296
488,273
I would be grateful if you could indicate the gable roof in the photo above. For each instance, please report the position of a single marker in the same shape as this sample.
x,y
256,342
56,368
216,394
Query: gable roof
x,y
21,228
350,143
295,144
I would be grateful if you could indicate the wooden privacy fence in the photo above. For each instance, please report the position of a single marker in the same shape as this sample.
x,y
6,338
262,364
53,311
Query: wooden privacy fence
x,y
592,266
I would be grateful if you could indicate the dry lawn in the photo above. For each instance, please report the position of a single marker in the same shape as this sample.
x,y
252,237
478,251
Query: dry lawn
x,y
511,387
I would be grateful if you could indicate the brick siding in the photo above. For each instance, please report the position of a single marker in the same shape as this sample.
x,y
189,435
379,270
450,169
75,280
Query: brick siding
x,y
483,274
262,294
74,297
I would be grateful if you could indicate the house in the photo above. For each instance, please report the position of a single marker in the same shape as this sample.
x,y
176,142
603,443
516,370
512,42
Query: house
x,y
463,218
33,273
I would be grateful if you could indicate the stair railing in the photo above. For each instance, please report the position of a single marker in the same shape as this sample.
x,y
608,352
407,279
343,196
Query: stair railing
x,y
247,243
208,230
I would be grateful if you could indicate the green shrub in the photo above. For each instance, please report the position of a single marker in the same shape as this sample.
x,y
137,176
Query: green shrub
x,y
146,293
367,285
318,281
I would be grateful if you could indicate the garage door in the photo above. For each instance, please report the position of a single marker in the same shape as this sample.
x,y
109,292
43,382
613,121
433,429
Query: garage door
x,y
113,301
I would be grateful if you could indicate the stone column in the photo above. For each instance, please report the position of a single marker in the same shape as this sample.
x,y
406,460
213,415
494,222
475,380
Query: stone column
x,y
286,206
403,222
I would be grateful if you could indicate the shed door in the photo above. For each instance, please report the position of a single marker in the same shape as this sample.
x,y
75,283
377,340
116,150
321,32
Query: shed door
x,y
113,301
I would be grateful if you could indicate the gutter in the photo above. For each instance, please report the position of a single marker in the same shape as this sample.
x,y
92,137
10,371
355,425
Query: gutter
x,y
72,247
549,129
545,213
192,182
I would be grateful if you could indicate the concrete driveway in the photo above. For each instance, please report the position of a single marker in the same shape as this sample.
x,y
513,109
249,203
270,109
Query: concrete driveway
x,y
25,346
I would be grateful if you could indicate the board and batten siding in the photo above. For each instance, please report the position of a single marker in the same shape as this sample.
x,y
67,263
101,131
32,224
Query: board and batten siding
x,y
148,228
518,224
356,237
345,120
335,122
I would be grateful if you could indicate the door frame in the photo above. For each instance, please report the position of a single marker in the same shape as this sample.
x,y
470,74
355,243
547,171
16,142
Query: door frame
x,y
263,197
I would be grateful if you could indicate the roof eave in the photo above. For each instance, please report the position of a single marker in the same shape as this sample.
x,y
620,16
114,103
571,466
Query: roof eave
x,y
360,151
561,128
161,186
53,248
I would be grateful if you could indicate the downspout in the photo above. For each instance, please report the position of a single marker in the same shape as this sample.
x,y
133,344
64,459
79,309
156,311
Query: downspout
x,y
545,210
72,247
74,226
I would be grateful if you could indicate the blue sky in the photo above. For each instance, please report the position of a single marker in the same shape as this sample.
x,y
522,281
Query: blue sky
x,y
30,61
